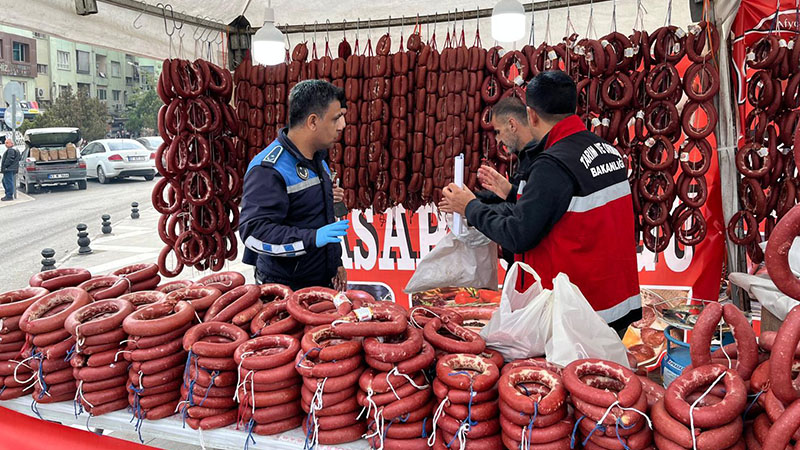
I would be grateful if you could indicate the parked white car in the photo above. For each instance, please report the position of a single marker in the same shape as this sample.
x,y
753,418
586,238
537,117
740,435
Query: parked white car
x,y
118,158
151,142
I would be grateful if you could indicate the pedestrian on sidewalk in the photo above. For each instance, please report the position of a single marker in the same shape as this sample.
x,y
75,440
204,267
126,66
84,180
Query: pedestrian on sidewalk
x,y
9,167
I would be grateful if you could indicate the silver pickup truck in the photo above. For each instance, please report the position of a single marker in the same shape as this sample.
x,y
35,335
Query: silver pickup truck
x,y
34,173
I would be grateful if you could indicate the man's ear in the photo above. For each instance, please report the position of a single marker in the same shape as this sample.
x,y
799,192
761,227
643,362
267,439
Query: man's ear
x,y
312,120
533,118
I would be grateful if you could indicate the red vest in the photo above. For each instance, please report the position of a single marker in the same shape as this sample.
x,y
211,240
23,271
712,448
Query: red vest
x,y
593,242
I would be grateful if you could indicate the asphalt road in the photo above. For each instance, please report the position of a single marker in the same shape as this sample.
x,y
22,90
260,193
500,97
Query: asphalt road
x,y
50,220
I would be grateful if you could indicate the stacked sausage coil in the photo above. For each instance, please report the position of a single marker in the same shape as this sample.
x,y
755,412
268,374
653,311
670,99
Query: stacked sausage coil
x,y
12,340
100,371
155,351
533,408
138,277
330,365
776,380
198,197
14,379
610,405
199,297
269,388
209,379
273,317
394,392
49,345
466,415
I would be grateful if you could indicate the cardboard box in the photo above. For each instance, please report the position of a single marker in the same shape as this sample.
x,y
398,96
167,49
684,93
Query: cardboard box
x,y
34,153
62,154
44,155
72,152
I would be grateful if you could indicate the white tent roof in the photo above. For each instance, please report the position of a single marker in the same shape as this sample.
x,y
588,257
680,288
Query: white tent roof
x,y
113,26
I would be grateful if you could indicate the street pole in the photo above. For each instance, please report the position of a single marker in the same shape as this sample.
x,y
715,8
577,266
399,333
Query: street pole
x,y
14,119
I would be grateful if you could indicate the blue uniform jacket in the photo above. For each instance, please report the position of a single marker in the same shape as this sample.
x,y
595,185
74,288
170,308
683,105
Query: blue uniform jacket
x,y
285,199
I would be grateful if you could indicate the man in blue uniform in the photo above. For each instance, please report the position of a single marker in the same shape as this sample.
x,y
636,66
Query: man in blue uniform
x,y
287,222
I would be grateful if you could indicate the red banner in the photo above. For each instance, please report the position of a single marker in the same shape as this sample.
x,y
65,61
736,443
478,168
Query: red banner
x,y
755,19
382,251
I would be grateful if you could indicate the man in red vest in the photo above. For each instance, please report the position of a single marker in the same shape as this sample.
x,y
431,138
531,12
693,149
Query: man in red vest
x,y
574,213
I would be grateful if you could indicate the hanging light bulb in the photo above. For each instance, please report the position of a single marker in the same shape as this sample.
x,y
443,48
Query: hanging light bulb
x,y
508,21
268,47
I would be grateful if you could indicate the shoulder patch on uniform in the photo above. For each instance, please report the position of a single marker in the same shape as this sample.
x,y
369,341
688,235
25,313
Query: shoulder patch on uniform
x,y
273,155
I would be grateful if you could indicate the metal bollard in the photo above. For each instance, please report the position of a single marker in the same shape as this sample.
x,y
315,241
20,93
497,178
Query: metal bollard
x,y
134,210
106,224
83,240
48,262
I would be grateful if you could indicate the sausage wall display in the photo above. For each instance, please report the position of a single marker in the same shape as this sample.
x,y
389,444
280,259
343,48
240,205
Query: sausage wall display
x,y
202,164
411,112
766,161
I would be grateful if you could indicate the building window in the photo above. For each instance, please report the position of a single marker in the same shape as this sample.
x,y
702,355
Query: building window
x,y
101,94
21,52
116,71
63,60
41,69
115,95
82,59
64,90
1,49
84,88
101,66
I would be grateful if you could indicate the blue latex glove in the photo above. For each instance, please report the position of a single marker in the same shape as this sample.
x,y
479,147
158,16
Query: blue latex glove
x,y
330,234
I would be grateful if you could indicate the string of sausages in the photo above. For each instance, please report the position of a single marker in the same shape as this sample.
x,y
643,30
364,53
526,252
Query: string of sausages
x,y
765,160
202,167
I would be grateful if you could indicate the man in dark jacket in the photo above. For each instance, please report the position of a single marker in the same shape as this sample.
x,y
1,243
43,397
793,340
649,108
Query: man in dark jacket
x,y
574,214
287,222
510,122
9,167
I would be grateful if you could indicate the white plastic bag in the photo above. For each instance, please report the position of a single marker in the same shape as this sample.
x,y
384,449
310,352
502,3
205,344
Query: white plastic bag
x,y
468,260
522,323
578,331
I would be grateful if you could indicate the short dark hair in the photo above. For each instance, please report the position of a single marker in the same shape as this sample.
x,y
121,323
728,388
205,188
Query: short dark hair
x,y
511,106
552,94
312,97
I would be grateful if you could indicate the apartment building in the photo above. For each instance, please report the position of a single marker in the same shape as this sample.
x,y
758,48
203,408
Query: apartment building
x,y
108,75
18,61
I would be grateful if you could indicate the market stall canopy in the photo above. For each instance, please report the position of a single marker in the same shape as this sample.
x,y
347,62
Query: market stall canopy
x,y
120,25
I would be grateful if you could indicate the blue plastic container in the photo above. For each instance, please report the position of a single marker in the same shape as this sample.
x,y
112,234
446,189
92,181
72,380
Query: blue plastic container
x,y
678,358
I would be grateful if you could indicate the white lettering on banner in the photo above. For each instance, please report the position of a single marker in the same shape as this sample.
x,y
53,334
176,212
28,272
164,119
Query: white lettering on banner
x,y
367,241
427,238
646,261
396,236
677,260
347,262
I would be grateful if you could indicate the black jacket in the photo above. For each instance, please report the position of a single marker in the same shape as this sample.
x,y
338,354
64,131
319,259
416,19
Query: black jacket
x,y
286,199
11,160
525,159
